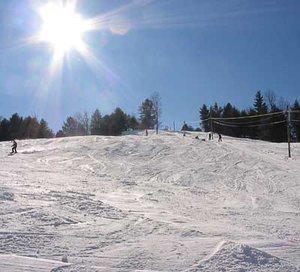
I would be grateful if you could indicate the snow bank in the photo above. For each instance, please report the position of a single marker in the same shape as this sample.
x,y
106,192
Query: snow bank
x,y
235,257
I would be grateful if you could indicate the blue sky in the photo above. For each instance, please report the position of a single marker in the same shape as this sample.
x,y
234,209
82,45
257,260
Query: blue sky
x,y
190,51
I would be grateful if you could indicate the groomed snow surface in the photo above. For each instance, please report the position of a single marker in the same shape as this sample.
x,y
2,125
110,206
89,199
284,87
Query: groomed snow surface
x,y
158,203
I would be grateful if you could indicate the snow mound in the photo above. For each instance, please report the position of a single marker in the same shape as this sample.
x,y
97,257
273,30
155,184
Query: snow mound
x,y
235,257
15,263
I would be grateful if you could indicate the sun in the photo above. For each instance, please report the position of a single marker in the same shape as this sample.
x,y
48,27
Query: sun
x,y
62,27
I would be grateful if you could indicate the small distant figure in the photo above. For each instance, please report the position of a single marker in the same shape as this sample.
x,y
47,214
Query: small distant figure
x,y
146,132
197,137
14,147
209,136
183,134
220,137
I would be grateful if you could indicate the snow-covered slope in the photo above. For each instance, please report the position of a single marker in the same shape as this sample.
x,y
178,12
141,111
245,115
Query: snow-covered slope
x,y
156,203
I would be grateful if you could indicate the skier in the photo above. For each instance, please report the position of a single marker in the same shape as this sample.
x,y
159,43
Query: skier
x,y
220,137
14,147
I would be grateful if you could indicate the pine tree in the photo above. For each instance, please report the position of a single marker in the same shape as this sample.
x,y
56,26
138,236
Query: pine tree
x,y
15,124
259,104
96,121
215,111
204,115
72,128
230,111
118,122
44,130
132,122
147,114
260,107
4,130
30,128
59,134
186,127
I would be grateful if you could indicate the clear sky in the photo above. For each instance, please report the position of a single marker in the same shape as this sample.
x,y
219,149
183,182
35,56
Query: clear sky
x,y
190,51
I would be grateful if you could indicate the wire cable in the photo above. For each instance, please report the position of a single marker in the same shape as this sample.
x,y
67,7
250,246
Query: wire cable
x,y
259,125
247,123
244,117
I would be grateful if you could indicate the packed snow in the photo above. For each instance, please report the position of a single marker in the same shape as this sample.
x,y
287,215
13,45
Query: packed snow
x,y
149,203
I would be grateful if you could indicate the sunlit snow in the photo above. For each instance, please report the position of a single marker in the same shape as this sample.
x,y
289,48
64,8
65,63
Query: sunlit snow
x,y
158,203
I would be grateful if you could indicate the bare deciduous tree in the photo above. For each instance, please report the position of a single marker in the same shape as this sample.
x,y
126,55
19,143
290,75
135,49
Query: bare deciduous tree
x,y
84,121
271,100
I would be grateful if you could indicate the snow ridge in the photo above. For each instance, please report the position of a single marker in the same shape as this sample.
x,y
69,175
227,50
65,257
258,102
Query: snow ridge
x,y
236,257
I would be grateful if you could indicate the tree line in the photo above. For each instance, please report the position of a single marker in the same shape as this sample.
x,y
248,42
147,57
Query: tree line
x,y
17,127
266,120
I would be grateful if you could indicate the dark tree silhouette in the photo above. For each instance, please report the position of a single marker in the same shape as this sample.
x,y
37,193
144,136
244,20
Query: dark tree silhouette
x,y
147,115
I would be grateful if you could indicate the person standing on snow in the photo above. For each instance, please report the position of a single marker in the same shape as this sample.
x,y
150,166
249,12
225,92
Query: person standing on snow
x,y
14,147
220,137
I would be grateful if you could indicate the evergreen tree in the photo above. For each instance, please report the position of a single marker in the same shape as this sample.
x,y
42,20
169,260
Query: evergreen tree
x,y
229,111
15,123
204,115
259,104
18,127
147,114
44,130
266,127
186,127
132,122
59,134
72,128
260,107
96,121
30,128
117,122
215,111
105,125
4,130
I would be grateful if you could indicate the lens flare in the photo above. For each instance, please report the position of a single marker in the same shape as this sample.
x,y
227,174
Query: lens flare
x,y
62,27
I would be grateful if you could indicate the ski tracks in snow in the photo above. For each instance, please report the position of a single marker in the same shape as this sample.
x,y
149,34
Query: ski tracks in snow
x,y
134,203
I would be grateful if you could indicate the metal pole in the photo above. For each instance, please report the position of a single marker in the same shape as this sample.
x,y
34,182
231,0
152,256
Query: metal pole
x,y
288,118
211,127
